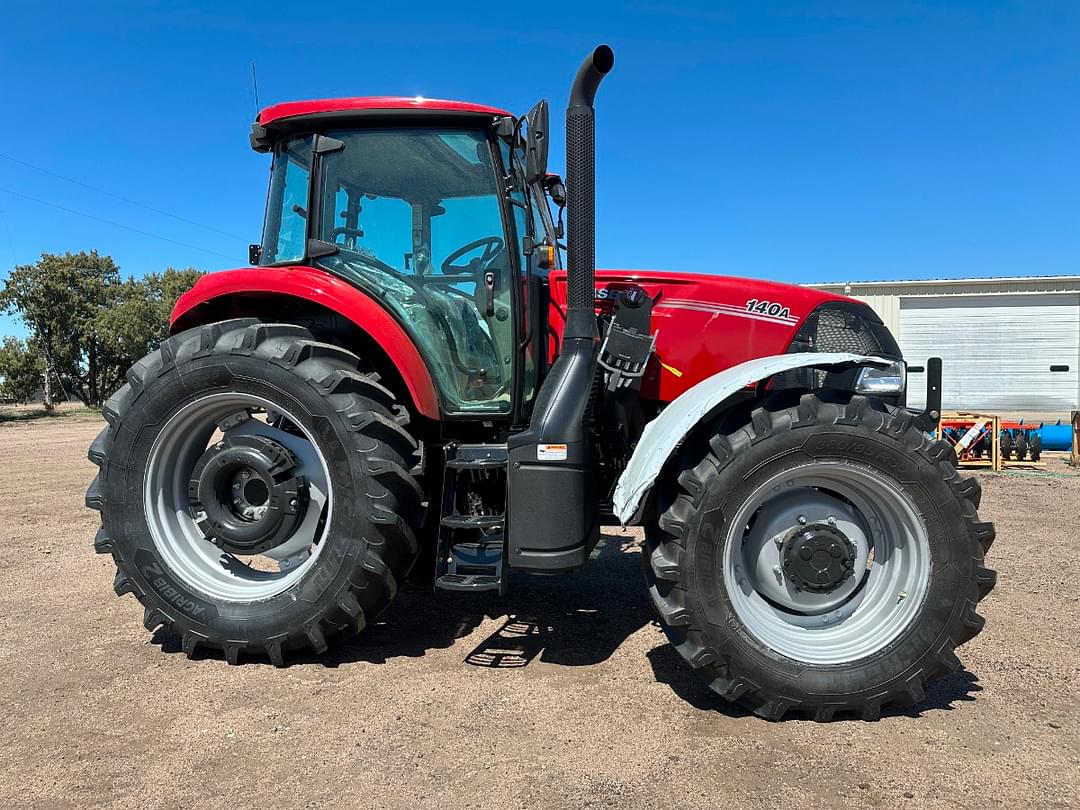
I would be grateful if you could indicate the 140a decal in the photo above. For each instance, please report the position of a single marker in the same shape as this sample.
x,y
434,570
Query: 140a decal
x,y
768,308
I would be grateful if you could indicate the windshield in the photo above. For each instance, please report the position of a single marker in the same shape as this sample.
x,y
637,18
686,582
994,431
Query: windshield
x,y
416,217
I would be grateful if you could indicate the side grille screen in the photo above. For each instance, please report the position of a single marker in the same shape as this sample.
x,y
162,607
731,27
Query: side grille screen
x,y
838,326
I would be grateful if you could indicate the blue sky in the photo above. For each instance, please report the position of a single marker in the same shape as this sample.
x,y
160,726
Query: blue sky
x,y
796,141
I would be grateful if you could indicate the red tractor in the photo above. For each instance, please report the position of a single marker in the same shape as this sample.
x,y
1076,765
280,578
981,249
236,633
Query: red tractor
x,y
409,373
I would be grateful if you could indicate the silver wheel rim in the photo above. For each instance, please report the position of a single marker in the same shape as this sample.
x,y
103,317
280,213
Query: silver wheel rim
x,y
189,555
862,615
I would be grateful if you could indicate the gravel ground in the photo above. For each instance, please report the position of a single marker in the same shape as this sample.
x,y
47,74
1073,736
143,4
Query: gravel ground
x,y
564,694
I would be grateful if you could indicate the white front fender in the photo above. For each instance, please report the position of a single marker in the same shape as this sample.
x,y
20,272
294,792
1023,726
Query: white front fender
x,y
663,434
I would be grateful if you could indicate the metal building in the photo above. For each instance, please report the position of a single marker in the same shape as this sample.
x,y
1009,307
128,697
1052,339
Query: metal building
x,y
1007,344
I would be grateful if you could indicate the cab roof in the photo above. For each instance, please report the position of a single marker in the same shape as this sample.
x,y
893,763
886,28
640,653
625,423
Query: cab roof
x,y
361,104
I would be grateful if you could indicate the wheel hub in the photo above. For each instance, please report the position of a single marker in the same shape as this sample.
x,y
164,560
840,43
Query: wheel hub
x,y
818,558
245,495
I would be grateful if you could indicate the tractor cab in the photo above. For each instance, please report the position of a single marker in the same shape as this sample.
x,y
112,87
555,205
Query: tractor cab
x,y
427,209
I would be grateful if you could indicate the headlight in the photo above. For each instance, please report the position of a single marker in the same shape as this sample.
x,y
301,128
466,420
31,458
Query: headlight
x,y
890,379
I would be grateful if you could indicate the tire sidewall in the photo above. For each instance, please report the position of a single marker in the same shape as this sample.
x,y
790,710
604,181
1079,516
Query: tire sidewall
x,y
306,600
951,569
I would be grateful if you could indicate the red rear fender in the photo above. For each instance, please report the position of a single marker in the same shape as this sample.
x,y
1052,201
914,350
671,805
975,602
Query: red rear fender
x,y
210,298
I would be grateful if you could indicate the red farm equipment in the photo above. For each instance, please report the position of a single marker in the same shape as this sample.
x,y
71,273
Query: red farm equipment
x,y
409,370
986,440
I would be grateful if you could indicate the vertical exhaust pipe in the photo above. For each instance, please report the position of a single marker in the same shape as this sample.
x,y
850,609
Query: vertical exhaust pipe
x,y
553,460
581,193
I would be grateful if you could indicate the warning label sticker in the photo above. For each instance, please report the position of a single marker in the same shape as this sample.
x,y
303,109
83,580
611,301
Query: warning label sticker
x,y
551,452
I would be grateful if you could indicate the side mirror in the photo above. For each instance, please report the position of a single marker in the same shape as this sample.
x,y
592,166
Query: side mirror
x,y
536,142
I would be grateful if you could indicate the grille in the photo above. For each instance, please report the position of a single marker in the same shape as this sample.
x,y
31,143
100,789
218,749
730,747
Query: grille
x,y
838,326
844,327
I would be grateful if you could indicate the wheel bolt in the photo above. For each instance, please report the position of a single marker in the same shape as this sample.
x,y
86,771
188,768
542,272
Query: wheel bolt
x,y
802,520
832,520
236,485
245,475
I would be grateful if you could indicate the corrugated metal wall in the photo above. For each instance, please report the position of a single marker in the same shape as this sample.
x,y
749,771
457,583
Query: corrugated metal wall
x,y
996,350
997,337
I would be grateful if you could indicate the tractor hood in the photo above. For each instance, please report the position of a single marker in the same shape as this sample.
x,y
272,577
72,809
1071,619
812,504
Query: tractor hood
x,y
706,323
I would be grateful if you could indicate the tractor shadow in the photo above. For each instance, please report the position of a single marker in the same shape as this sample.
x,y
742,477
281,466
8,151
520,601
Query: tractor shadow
x,y
576,619
573,620
959,687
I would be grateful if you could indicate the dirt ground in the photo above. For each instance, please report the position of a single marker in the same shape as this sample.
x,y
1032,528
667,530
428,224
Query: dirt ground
x,y
563,694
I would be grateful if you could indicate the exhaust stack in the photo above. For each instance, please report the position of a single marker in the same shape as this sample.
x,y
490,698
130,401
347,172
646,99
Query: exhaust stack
x,y
553,460
581,193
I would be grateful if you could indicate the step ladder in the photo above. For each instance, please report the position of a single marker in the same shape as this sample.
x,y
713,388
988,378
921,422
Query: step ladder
x,y
472,528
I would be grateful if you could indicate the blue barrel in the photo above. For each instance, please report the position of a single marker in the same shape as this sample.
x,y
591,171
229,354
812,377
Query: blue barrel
x,y
1056,437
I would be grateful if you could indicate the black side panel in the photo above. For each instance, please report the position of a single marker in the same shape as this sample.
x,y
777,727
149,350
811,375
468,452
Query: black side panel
x,y
553,521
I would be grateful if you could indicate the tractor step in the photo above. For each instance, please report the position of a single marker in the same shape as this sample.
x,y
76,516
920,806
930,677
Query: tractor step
x,y
472,535
473,521
468,582
475,463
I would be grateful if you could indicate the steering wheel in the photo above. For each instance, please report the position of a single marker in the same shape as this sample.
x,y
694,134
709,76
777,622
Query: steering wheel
x,y
492,246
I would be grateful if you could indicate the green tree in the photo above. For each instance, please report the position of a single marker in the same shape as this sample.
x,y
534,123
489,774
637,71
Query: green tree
x,y
87,324
20,369
58,297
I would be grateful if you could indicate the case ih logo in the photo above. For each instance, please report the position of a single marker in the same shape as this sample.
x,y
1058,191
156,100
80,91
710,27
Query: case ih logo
x,y
754,308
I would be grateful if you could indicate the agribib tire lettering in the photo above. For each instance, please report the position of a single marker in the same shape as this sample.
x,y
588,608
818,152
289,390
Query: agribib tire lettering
x,y
155,577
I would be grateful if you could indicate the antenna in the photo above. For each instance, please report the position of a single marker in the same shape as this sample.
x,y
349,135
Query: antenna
x,y
255,86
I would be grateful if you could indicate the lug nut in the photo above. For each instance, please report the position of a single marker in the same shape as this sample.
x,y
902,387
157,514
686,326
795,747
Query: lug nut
x,y
832,520
802,520
245,474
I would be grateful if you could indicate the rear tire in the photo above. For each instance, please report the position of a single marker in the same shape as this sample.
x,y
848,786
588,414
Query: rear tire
x,y
774,658
366,535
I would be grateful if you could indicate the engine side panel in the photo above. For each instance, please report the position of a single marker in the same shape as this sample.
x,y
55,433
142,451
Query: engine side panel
x,y
704,323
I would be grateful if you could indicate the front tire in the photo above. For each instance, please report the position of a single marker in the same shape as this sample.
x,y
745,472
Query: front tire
x,y
825,558
222,404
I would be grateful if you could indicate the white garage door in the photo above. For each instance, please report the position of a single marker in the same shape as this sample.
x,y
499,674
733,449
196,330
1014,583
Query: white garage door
x,y
996,350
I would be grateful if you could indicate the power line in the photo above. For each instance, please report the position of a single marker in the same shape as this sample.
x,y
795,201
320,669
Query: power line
x,y
116,224
120,197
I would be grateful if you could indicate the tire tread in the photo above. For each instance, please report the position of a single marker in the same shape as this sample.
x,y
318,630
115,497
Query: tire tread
x,y
696,469
389,454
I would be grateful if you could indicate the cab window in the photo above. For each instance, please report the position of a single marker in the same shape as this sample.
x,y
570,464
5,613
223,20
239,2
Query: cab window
x,y
417,219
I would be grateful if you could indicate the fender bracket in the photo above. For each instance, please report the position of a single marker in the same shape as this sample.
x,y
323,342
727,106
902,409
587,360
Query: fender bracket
x,y
928,418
